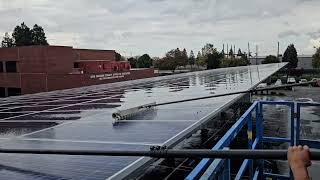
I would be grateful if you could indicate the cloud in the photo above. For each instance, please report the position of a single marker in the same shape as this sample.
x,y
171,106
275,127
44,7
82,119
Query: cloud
x,y
314,34
285,34
156,26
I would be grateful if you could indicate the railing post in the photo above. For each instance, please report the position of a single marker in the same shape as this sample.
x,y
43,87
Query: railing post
x,y
250,144
298,108
259,130
292,124
226,170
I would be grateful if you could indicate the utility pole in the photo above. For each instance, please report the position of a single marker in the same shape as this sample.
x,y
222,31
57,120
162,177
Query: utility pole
x,y
223,50
256,54
234,49
278,50
227,50
248,55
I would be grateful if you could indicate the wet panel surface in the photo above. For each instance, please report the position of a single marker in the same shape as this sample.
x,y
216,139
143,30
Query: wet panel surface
x,y
83,120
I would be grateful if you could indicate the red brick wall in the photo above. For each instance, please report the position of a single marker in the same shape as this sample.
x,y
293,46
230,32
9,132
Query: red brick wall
x,y
8,54
56,82
59,60
89,54
50,59
103,66
10,80
33,83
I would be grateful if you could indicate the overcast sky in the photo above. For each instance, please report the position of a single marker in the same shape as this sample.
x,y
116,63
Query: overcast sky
x,y
134,27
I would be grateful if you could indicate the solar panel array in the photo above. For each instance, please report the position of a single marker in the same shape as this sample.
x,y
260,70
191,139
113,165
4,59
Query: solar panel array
x,y
80,118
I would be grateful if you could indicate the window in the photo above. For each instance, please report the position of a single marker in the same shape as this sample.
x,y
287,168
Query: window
x,y
14,91
2,92
11,66
75,65
1,66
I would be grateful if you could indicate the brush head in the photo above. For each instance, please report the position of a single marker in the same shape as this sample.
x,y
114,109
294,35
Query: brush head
x,y
131,112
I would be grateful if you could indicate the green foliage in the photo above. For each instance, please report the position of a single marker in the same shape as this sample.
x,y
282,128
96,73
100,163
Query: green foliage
x,y
270,59
38,36
7,41
144,61
192,58
22,35
118,57
133,62
207,49
233,62
200,61
231,52
316,59
214,59
166,63
184,58
291,56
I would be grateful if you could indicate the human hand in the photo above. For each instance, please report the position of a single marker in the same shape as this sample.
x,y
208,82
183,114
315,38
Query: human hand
x,y
299,160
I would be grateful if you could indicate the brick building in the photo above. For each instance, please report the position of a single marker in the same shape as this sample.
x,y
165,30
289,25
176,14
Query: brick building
x,y
32,69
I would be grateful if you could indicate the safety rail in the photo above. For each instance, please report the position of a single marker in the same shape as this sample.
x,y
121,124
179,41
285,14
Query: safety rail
x,y
220,168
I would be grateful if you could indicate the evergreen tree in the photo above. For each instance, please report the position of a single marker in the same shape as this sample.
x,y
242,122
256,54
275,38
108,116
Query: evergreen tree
x,y
22,35
7,41
231,52
316,59
144,61
214,59
38,36
239,52
291,56
192,58
133,62
184,57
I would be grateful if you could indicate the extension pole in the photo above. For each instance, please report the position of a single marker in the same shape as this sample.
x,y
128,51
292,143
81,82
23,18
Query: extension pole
x,y
223,154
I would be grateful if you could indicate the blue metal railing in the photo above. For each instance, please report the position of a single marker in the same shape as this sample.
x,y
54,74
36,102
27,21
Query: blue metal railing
x,y
220,168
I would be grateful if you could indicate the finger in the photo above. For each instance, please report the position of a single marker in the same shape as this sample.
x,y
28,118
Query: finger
x,y
305,147
290,149
300,147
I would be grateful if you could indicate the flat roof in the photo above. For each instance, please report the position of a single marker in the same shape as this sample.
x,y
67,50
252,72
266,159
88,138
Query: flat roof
x,y
80,118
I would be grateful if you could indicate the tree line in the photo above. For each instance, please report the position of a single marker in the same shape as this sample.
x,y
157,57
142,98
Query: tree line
x,y
316,58
208,57
22,35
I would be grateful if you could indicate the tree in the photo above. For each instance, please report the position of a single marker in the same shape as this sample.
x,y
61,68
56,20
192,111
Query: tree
x,y
291,56
207,49
184,57
22,35
231,52
214,59
270,59
200,61
133,62
316,59
239,52
118,57
144,61
38,36
7,41
192,59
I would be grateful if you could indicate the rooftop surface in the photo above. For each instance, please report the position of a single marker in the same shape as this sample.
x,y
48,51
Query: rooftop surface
x,y
80,118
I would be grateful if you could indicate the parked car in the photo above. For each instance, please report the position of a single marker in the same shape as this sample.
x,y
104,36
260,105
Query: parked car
x,y
291,80
303,81
318,82
278,82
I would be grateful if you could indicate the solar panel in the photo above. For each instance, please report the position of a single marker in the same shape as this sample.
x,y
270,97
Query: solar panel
x,y
80,118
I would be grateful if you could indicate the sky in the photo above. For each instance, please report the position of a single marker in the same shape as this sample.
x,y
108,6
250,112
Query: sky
x,y
135,27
